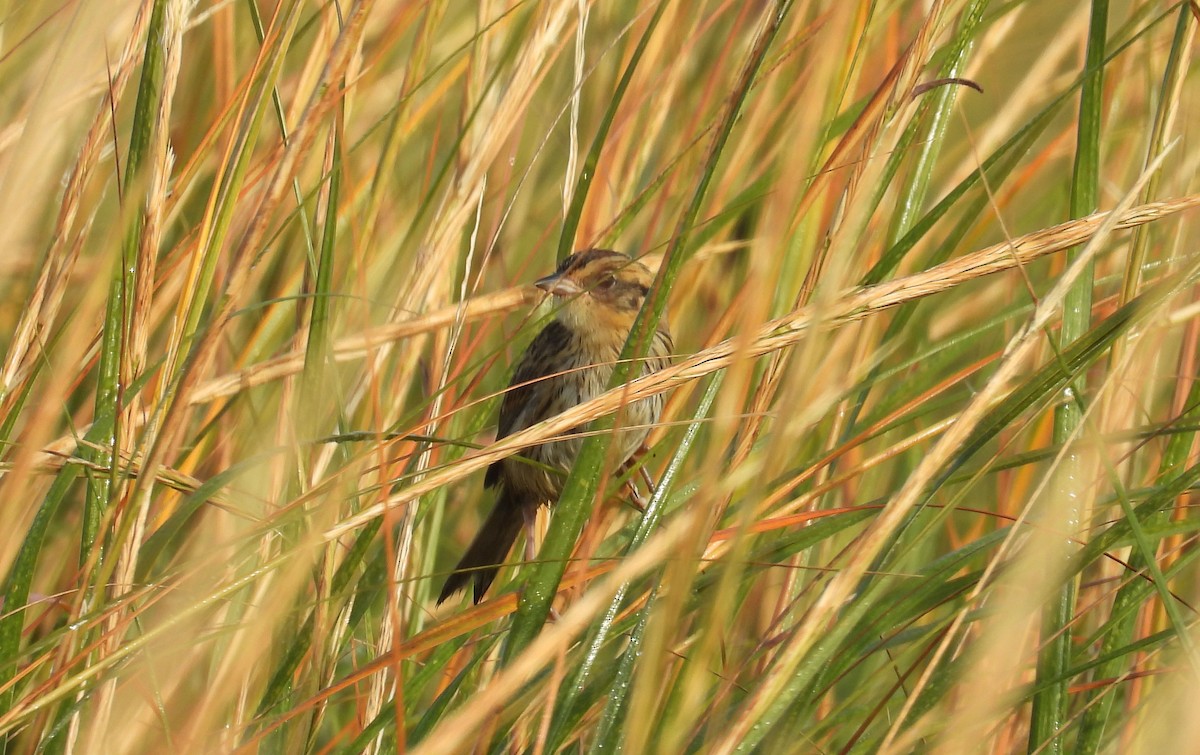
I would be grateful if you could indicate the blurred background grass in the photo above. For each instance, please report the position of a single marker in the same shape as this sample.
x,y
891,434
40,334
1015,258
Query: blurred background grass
x,y
264,274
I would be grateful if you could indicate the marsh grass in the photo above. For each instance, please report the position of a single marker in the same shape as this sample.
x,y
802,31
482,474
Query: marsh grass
x,y
928,459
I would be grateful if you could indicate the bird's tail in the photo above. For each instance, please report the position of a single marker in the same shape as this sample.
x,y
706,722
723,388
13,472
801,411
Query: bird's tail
x,y
487,551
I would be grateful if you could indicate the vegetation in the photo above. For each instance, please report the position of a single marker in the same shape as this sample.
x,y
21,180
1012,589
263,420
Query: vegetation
x,y
928,457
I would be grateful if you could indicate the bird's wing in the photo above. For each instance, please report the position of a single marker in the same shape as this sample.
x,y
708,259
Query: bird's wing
x,y
527,399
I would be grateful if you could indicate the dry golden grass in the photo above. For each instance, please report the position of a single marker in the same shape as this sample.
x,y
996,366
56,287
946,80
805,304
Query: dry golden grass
x,y
928,455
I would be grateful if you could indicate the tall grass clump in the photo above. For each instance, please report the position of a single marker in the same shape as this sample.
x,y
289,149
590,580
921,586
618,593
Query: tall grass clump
x,y
925,475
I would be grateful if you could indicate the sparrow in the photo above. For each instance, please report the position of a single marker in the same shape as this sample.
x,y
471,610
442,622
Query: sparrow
x,y
598,294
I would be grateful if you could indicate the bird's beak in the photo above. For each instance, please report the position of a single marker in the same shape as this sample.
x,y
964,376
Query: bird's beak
x,y
558,285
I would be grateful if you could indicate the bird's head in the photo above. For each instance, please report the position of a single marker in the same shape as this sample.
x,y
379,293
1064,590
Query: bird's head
x,y
599,291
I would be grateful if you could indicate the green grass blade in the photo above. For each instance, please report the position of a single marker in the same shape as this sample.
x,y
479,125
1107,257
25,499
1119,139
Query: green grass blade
x,y
1049,712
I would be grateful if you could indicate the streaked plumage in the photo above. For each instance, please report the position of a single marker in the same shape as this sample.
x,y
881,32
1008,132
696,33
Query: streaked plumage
x,y
570,361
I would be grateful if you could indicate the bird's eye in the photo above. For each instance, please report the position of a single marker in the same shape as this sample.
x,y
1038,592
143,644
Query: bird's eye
x,y
608,282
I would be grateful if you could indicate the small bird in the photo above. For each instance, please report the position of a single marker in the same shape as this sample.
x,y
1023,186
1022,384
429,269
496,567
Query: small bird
x,y
599,293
